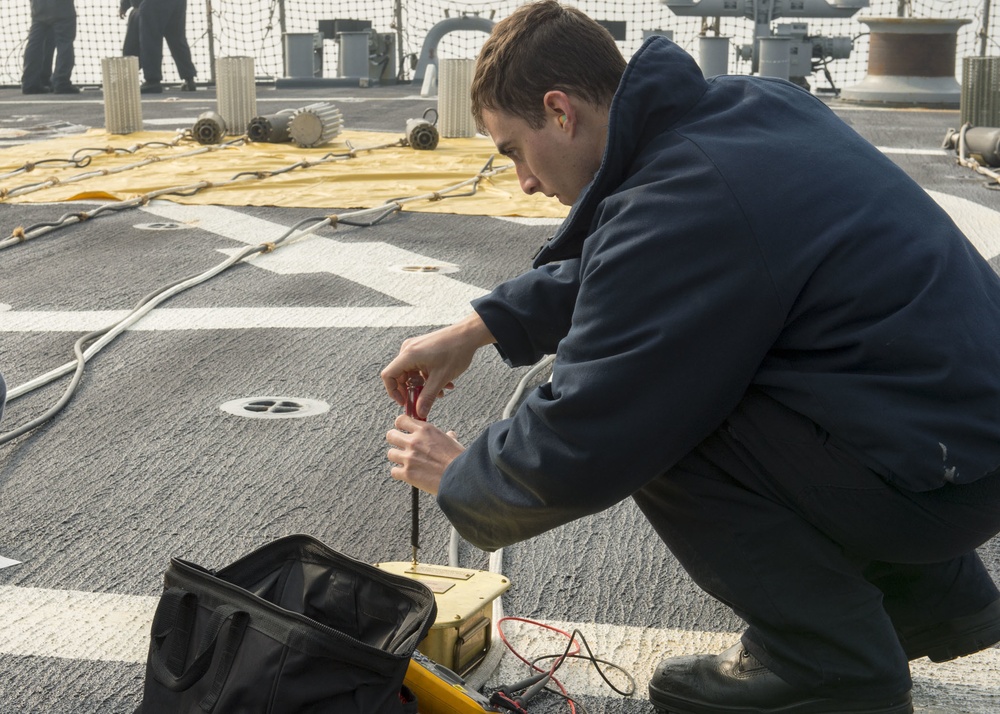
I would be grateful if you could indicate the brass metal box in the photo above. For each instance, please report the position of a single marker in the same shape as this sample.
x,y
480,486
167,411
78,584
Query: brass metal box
x,y
461,634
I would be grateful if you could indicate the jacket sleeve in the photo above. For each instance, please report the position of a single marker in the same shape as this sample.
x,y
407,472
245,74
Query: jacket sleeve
x,y
531,313
674,312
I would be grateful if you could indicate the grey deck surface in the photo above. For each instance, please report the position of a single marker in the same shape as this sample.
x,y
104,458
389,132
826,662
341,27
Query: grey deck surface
x,y
143,464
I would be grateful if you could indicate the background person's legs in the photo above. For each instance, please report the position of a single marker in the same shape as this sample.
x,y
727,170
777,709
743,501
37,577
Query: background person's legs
x,y
35,73
130,45
152,20
63,37
177,41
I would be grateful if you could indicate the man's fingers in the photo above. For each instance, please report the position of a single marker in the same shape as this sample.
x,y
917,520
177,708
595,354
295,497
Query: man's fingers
x,y
394,386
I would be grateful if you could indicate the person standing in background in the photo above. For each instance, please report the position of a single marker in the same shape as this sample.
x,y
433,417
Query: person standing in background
x,y
130,46
53,29
161,20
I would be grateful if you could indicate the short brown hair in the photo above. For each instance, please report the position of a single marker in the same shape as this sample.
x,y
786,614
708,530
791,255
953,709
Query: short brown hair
x,y
539,47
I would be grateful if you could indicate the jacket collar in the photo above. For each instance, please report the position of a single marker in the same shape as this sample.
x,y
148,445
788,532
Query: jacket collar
x,y
660,85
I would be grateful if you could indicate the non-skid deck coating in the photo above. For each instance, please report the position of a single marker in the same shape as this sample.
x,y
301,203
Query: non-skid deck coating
x,y
144,463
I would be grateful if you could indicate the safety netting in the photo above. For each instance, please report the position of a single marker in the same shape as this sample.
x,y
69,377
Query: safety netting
x,y
261,28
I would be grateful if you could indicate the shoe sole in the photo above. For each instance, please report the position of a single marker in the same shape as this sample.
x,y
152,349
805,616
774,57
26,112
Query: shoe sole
x,y
958,638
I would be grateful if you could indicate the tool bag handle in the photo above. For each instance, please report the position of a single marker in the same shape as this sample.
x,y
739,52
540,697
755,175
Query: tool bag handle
x,y
175,617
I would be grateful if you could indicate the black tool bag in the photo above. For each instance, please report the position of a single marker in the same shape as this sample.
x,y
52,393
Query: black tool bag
x,y
293,627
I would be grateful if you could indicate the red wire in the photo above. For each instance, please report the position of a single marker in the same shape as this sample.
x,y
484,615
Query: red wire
x,y
558,661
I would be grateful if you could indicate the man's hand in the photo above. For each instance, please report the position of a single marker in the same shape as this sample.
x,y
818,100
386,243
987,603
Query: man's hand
x,y
420,452
439,357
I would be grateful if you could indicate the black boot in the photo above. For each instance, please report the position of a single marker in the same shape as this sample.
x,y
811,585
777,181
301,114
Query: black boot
x,y
953,638
735,681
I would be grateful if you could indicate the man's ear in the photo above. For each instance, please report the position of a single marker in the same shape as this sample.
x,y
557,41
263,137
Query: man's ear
x,y
559,107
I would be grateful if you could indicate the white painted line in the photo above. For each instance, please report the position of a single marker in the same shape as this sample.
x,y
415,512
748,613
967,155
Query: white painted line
x,y
115,628
431,299
370,264
639,649
980,224
531,221
75,625
913,152
8,562
236,318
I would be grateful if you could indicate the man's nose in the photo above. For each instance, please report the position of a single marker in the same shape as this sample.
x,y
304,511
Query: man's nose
x,y
529,184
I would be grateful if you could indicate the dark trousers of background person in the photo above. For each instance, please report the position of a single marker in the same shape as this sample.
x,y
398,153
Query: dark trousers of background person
x,y
161,20
130,46
53,28
820,556
49,53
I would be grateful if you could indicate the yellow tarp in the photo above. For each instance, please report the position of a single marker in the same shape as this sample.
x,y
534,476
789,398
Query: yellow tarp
x,y
369,179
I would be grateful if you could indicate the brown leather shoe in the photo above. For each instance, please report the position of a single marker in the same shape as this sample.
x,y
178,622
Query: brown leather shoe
x,y
735,681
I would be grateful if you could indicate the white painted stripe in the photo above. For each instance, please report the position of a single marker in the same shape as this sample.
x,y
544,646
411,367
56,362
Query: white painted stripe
x,y
8,562
75,625
431,299
638,650
980,224
235,318
913,152
115,628
372,264
524,221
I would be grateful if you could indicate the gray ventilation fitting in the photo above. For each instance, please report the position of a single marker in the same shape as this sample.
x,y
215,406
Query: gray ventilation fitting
x,y
421,134
209,128
982,143
315,124
272,128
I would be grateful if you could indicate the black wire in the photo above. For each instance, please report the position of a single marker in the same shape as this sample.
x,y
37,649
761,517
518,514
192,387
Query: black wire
x,y
77,163
575,702
595,661
97,151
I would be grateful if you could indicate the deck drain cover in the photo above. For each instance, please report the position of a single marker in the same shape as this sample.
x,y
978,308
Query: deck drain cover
x,y
275,407
161,226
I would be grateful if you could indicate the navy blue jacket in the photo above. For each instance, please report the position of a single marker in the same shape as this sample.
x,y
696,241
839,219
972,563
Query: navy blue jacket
x,y
737,233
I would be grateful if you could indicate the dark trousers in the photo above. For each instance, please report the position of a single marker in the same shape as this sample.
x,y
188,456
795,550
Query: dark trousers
x,y
50,31
819,555
161,20
130,45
